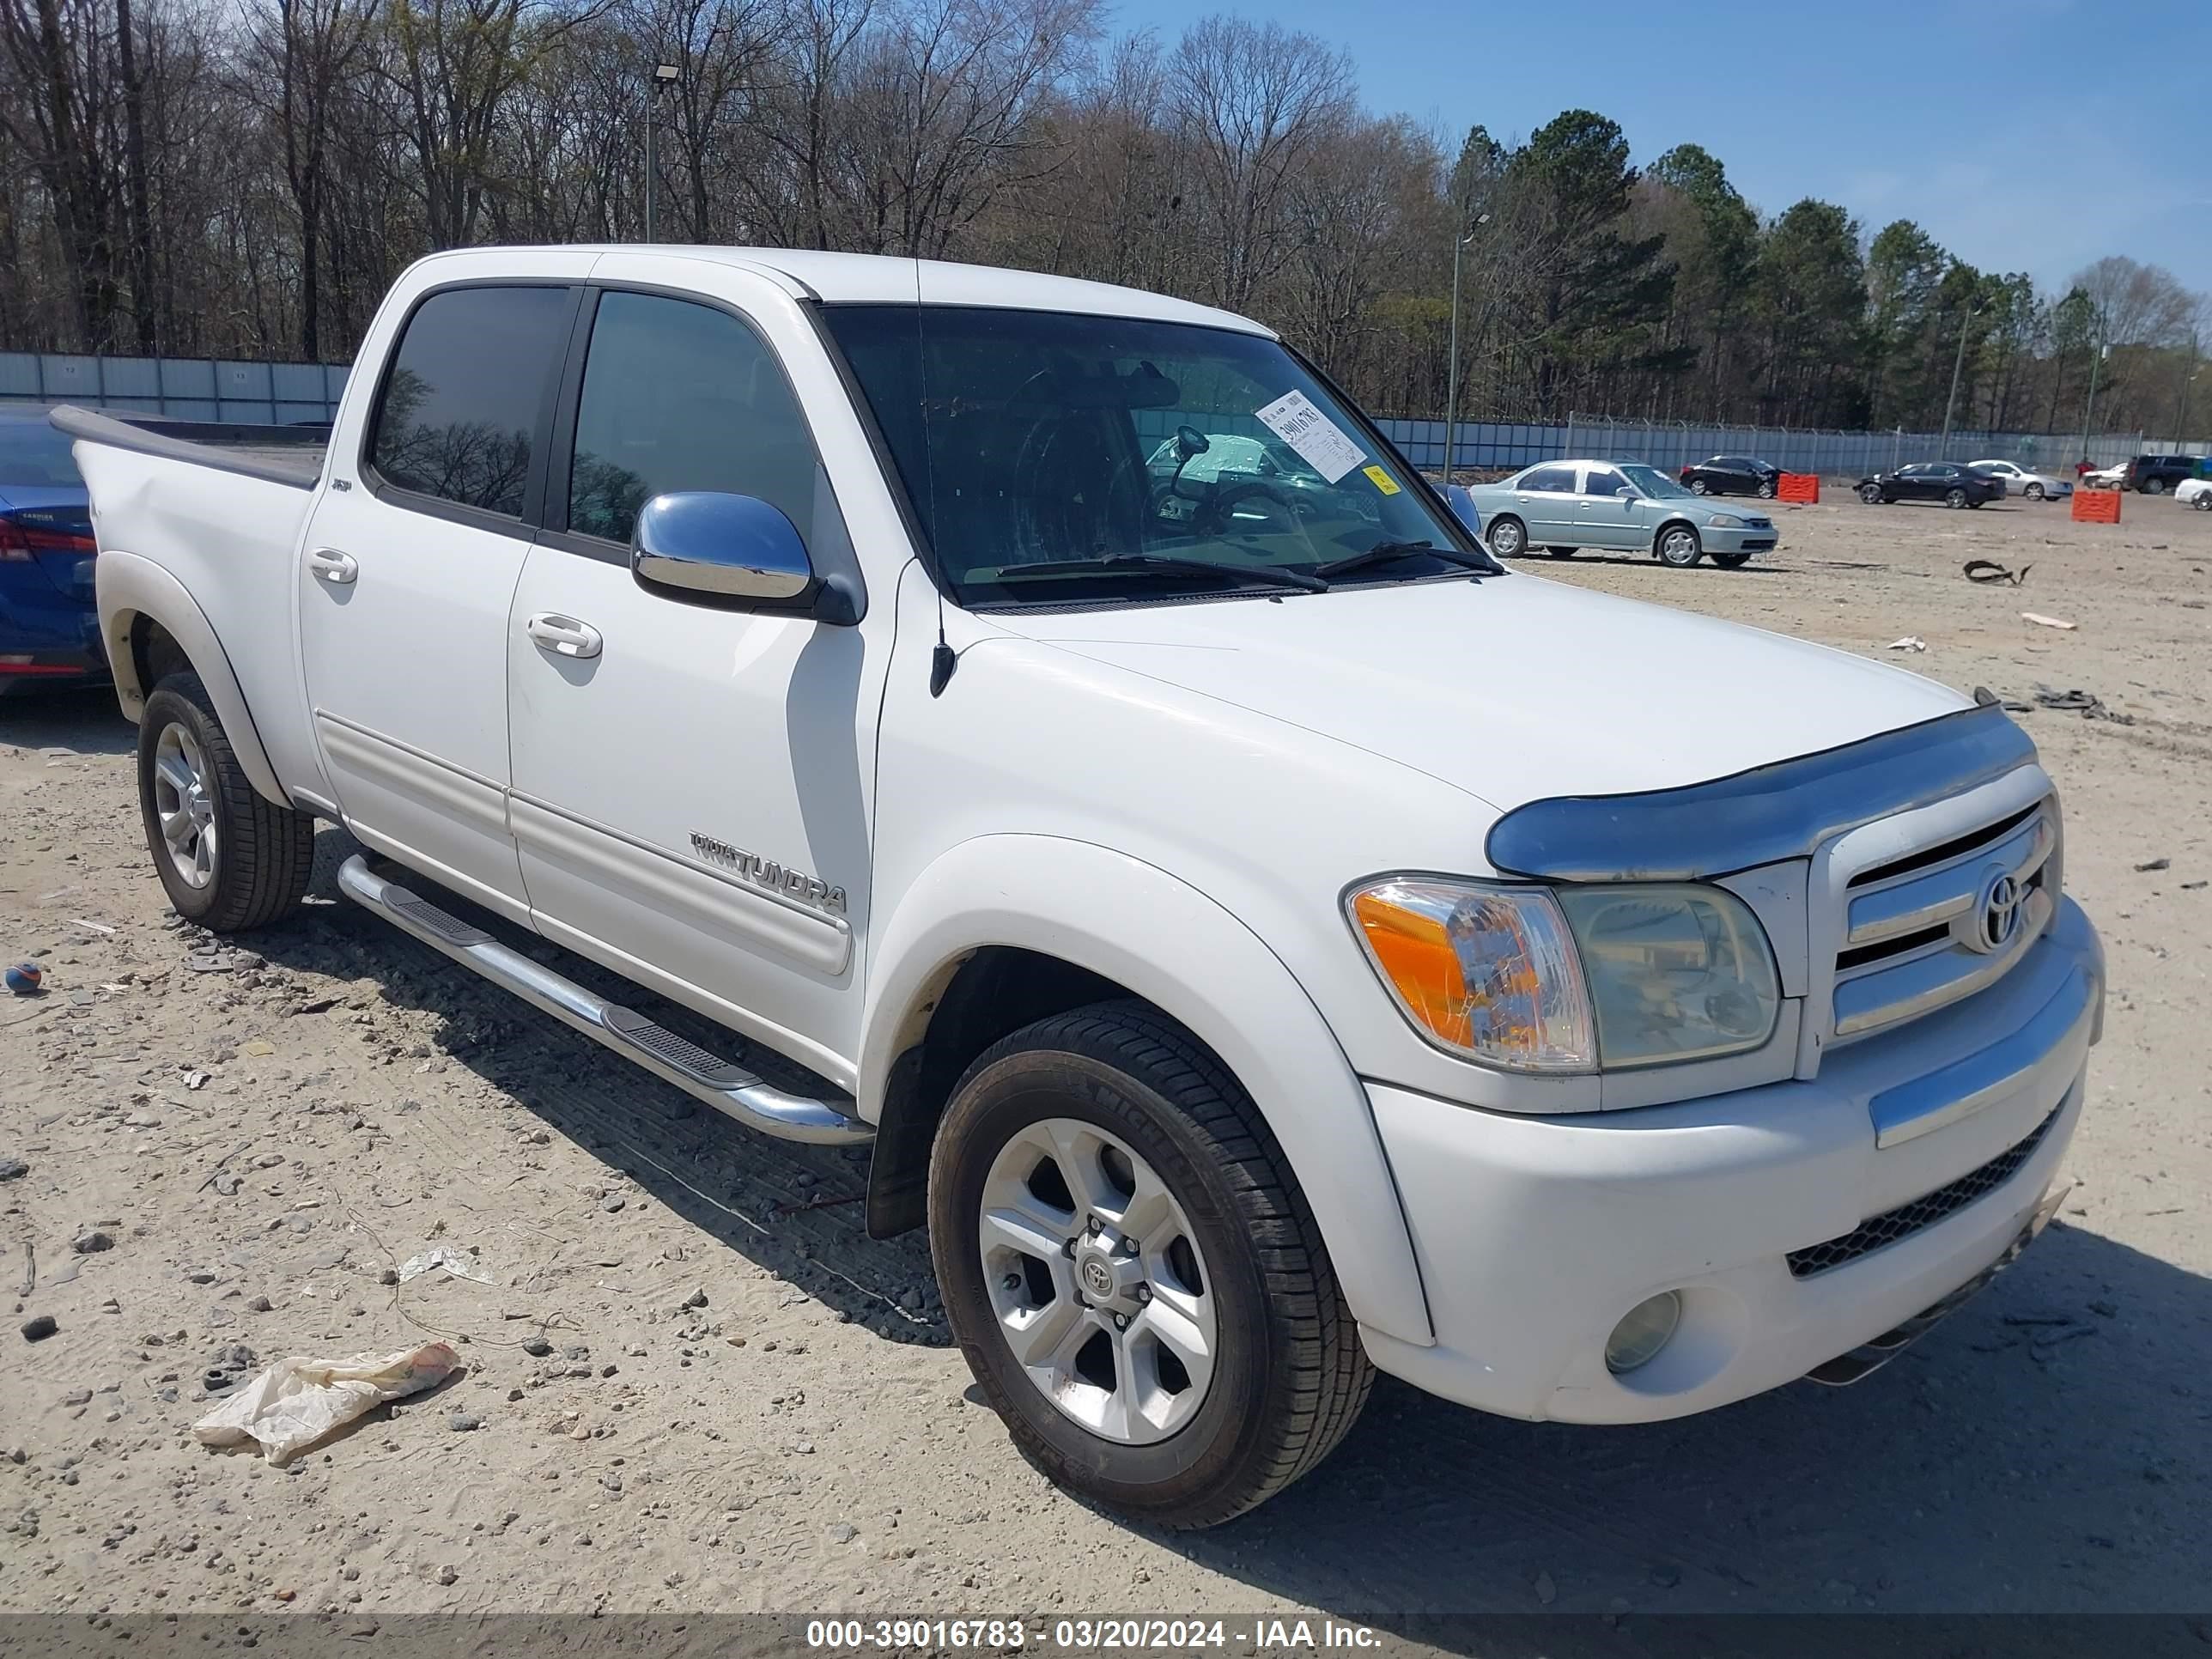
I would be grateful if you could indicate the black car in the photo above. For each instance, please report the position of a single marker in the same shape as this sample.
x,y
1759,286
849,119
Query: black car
x,y
1946,482
1732,475
2155,475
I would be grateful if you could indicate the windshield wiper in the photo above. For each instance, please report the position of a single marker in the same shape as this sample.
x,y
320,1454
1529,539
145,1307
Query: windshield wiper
x,y
1150,564
1383,552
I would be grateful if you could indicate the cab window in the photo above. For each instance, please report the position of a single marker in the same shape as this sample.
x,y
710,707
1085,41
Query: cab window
x,y
1550,480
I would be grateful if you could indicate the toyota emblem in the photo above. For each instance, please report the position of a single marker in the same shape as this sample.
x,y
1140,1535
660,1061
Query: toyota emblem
x,y
2000,913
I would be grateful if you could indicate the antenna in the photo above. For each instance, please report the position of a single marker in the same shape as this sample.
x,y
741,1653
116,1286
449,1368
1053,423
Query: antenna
x,y
944,659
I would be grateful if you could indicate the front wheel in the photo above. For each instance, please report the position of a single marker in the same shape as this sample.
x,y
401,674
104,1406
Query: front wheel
x,y
2033,492
2203,501
1679,546
1507,537
1870,494
1133,1275
227,859
1766,490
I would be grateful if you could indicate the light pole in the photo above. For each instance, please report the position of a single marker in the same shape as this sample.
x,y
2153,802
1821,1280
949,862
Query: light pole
x,y
2181,415
1451,369
1957,363
663,76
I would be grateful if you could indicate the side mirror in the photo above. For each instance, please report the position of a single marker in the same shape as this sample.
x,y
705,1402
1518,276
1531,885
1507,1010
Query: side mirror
x,y
1463,509
735,550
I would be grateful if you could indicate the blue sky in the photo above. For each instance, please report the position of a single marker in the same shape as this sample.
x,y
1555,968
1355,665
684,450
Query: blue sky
x,y
2023,135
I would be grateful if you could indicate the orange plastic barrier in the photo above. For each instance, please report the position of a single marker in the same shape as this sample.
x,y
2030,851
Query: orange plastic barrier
x,y
2096,506
1803,488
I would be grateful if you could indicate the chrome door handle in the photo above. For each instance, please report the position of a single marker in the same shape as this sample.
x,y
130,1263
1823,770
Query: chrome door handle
x,y
564,636
333,567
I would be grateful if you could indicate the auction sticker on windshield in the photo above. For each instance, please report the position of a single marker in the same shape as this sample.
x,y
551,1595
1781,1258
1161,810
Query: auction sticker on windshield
x,y
1318,439
1382,480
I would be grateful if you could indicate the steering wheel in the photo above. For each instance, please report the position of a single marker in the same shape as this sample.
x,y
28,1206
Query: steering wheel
x,y
1221,508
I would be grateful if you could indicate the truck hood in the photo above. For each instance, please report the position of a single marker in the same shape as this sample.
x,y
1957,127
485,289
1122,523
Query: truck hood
x,y
1515,689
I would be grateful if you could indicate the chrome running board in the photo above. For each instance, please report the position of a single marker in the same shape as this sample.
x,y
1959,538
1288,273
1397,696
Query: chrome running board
x,y
1868,1358
729,1089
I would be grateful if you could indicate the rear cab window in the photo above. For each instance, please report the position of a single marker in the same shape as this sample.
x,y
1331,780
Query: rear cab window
x,y
458,417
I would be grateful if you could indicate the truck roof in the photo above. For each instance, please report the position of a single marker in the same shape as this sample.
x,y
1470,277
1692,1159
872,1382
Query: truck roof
x,y
860,278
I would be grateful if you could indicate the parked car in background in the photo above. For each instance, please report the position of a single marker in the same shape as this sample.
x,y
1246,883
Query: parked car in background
x,y
49,628
1951,483
1732,475
2154,475
1562,505
2019,481
2105,477
2194,492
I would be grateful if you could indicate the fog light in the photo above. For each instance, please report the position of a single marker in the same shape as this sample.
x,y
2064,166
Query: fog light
x,y
1647,1328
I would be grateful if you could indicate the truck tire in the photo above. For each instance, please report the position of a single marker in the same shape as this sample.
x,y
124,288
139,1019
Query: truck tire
x,y
227,859
1106,1198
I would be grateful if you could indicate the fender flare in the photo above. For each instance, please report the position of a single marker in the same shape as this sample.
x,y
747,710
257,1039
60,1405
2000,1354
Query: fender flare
x,y
1180,950
130,587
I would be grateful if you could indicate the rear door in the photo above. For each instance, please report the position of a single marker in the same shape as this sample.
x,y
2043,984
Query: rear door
x,y
410,563
1546,500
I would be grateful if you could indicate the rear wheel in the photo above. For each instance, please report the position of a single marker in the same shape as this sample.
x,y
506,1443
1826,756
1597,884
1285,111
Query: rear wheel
x,y
1954,497
227,858
2203,501
1133,1275
1697,486
1679,546
1508,538
1870,494
2033,492
2154,486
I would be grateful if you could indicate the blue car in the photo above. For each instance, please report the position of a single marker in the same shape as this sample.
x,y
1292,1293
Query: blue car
x,y
48,628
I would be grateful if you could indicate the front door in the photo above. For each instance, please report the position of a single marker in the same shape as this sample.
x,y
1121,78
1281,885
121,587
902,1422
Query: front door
x,y
691,782
411,560
1605,511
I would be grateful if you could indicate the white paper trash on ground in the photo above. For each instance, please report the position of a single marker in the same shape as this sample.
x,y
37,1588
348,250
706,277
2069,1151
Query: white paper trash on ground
x,y
457,1262
296,1401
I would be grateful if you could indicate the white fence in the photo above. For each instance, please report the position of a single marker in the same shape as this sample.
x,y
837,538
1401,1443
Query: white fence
x,y
179,388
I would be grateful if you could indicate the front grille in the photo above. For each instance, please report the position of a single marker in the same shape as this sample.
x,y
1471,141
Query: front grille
x,y
1907,1219
1914,936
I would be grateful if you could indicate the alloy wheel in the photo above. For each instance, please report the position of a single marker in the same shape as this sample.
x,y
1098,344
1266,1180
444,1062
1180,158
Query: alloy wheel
x,y
1096,1281
184,803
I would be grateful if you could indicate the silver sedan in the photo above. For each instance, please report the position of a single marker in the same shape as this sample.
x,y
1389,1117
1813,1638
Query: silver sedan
x,y
1562,506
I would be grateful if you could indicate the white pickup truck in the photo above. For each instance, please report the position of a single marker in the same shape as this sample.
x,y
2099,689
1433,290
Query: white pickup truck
x,y
1264,940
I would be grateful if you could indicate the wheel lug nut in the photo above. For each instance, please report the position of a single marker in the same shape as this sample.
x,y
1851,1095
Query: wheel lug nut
x,y
1096,1226
1143,1293
1120,1321
1129,1247
1068,1250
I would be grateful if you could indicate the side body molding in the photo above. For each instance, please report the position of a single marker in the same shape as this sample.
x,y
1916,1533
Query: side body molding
x,y
1167,942
130,586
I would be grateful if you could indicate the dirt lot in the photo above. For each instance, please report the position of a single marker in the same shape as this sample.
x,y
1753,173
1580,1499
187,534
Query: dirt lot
x,y
263,1135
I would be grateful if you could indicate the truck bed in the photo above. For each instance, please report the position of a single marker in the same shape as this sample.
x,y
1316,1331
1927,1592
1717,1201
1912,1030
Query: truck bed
x,y
275,454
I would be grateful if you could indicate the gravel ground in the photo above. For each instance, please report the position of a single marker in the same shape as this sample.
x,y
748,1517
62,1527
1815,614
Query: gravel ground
x,y
691,1382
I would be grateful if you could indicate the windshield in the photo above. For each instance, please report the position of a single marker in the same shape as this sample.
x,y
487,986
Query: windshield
x,y
33,452
1053,457
1651,481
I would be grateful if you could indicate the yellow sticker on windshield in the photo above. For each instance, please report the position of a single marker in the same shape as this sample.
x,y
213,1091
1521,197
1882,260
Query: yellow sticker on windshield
x,y
1382,480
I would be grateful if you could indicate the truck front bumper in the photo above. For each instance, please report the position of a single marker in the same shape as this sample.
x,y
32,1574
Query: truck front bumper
x,y
1795,1243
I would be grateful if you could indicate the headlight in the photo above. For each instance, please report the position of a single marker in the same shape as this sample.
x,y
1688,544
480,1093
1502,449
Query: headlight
x,y
1723,521
1488,972
1573,978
